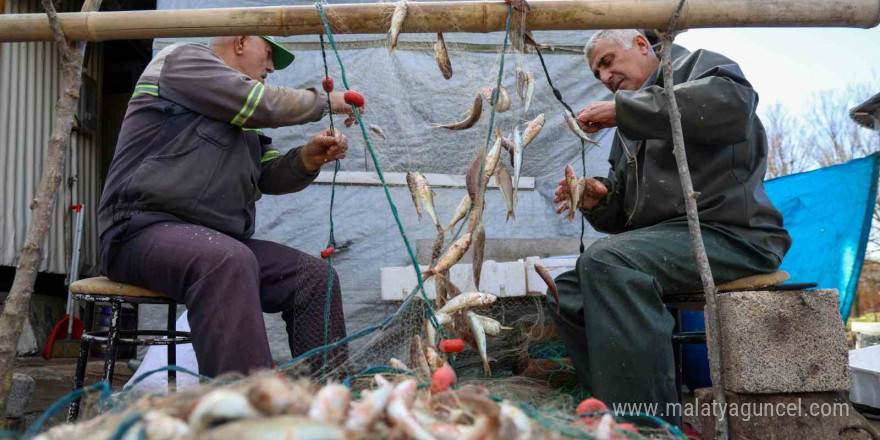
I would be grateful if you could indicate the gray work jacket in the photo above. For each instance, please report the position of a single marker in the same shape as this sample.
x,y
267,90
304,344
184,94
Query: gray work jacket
x,y
726,150
190,144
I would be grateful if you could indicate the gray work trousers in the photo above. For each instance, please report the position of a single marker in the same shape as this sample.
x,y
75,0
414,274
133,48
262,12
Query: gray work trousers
x,y
226,285
613,321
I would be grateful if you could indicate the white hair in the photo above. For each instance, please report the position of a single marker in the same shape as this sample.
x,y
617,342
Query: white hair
x,y
623,37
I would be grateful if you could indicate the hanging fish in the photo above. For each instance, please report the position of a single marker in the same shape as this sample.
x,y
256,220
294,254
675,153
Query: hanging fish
x,y
503,102
472,178
532,129
572,125
571,188
417,359
452,255
529,92
491,326
474,116
441,55
505,186
520,83
397,20
378,130
479,244
427,197
460,212
493,156
468,300
518,148
479,334
551,284
414,192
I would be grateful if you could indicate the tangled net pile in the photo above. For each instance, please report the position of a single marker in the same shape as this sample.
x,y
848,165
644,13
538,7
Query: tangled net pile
x,y
408,376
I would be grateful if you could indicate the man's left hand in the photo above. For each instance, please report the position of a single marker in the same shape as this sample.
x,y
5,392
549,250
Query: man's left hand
x,y
323,148
597,115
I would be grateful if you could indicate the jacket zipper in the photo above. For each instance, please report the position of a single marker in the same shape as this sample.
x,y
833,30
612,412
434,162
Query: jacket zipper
x,y
631,159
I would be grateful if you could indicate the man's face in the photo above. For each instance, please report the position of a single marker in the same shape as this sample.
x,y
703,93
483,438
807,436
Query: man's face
x,y
254,57
619,68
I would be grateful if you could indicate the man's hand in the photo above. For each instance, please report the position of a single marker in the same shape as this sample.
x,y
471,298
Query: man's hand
x,y
338,106
323,148
594,190
597,115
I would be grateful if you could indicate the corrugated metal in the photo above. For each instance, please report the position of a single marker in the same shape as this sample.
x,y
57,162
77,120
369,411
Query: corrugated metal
x,y
29,81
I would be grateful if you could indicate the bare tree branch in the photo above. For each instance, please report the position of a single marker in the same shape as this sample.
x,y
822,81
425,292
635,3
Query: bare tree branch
x,y
690,196
16,307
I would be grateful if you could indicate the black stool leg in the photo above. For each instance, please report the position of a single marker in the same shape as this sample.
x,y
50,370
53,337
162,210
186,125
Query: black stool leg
x,y
112,341
79,378
172,348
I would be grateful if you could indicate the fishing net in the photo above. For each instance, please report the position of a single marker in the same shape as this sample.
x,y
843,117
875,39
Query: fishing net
x,y
522,363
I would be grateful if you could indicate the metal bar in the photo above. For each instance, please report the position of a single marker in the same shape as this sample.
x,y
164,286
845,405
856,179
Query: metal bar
x,y
430,17
112,341
78,379
172,350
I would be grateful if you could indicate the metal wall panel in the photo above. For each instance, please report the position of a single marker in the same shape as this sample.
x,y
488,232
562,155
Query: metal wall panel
x,y
29,82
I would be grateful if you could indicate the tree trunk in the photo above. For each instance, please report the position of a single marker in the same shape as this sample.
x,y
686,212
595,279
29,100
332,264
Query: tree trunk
x,y
690,196
16,307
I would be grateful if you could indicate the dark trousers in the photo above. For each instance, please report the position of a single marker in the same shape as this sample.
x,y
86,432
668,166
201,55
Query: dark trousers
x,y
613,321
226,284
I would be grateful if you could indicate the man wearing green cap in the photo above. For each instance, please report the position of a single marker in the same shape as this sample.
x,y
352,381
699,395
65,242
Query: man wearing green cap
x,y
178,208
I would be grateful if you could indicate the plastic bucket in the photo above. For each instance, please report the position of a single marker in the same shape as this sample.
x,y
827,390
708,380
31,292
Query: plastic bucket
x,y
694,357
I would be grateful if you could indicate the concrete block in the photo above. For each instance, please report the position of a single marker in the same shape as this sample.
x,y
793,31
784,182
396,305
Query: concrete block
x,y
20,398
798,416
783,342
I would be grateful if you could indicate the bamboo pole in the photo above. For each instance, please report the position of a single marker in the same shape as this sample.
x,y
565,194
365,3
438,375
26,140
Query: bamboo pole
x,y
464,16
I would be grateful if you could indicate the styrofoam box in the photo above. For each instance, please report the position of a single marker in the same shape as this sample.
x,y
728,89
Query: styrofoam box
x,y
864,364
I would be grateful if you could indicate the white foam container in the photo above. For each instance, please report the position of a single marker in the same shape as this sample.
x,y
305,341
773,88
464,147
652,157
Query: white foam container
x,y
864,365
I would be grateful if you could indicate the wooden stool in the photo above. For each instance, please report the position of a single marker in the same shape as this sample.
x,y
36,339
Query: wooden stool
x,y
696,301
101,289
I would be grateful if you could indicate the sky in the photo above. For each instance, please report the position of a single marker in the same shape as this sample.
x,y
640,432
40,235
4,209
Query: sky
x,y
786,64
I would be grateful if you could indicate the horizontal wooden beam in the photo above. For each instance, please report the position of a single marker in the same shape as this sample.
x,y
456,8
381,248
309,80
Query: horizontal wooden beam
x,y
464,16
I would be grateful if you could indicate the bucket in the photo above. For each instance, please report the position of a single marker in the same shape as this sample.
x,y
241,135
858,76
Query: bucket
x,y
694,357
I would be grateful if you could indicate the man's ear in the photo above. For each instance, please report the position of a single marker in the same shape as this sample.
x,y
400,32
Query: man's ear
x,y
641,43
238,47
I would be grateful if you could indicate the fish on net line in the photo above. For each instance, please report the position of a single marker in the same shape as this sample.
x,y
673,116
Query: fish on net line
x,y
453,361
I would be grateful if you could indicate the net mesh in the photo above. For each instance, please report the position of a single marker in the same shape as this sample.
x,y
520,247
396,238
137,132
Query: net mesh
x,y
528,367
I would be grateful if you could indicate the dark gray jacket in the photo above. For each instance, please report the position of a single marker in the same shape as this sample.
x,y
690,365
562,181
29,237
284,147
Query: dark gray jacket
x,y
190,144
726,149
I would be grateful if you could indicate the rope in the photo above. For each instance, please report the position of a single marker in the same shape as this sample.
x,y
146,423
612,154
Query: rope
x,y
558,96
331,241
104,398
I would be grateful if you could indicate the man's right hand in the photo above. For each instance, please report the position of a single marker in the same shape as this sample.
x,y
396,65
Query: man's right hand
x,y
594,190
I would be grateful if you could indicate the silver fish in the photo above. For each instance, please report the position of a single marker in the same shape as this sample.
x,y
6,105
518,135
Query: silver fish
x,y
441,55
505,186
503,102
397,364
518,148
280,427
479,334
399,411
467,301
220,404
529,92
572,125
520,83
427,197
452,255
493,156
492,326
473,117
571,187
369,409
378,130
414,192
397,20
460,212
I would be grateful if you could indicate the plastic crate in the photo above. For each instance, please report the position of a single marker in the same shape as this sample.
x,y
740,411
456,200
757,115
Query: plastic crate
x,y
864,365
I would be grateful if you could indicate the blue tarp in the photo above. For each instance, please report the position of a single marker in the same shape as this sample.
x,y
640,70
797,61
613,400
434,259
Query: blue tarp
x,y
828,213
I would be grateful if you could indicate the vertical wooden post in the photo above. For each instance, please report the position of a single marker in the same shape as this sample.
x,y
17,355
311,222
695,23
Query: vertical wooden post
x,y
15,310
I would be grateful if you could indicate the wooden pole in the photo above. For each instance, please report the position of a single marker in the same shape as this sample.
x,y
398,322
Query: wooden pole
x,y
690,196
16,307
464,16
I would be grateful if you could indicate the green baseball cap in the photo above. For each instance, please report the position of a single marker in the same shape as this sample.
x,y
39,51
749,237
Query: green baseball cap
x,y
281,57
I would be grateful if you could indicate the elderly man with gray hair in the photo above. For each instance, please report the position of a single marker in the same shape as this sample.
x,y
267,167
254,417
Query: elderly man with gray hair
x,y
612,319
